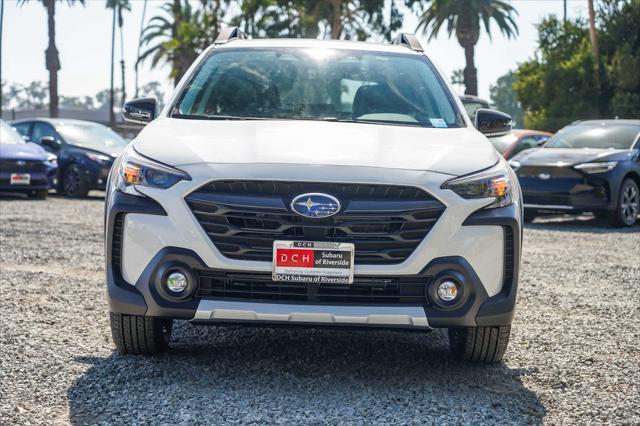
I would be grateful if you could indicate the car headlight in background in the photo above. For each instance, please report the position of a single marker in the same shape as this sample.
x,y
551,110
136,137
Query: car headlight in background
x,y
52,158
515,165
600,167
99,158
492,183
138,170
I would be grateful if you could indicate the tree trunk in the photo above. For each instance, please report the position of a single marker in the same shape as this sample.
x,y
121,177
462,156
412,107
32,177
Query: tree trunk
x,y
470,72
112,117
336,19
593,35
1,21
52,59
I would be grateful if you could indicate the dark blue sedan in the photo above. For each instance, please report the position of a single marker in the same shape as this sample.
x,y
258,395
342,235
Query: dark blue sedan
x,y
85,150
24,167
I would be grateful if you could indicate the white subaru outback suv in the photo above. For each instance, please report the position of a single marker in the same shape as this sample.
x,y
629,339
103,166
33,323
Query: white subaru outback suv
x,y
315,183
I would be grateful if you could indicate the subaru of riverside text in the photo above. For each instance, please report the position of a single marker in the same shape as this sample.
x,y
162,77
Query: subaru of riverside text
x,y
313,183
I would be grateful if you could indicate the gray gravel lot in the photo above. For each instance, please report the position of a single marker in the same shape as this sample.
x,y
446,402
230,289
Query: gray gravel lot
x,y
573,358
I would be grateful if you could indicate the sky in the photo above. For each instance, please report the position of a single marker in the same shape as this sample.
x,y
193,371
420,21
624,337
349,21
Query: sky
x,y
83,38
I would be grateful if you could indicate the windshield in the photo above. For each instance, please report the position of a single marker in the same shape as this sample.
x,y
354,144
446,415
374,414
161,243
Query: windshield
x,y
595,135
95,136
9,135
318,84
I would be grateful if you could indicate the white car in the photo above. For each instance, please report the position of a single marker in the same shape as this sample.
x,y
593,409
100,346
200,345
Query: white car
x,y
315,183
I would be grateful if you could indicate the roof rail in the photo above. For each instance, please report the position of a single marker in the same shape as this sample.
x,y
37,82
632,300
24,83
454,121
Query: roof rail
x,y
228,34
408,40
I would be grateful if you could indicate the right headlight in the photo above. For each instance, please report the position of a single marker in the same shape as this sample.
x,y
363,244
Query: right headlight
x,y
491,183
136,170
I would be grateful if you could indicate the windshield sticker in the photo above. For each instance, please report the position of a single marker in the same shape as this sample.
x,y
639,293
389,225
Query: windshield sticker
x,y
438,122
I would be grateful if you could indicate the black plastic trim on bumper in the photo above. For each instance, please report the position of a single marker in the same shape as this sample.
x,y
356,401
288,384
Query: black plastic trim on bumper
x,y
498,310
123,297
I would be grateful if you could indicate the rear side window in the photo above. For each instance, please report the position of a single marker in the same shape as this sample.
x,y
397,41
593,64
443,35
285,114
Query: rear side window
x,y
41,130
319,84
22,128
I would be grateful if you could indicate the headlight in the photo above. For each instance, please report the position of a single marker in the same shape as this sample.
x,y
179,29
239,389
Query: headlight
x,y
596,167
99,158
515,165
492,183
52,158
138,170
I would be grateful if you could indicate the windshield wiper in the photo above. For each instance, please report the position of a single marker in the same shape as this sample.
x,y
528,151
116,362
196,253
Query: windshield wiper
x,y
375,121
214,117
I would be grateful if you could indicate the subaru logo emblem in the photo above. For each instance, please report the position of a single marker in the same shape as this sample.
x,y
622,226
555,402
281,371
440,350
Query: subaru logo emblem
x,y
315,205
544,176
21,163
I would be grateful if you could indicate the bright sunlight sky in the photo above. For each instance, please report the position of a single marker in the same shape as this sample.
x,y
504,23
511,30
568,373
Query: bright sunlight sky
x,y
84,41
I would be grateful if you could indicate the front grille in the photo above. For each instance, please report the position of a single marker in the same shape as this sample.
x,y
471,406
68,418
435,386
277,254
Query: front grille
x,y
243,218
21,166
259,286
552,171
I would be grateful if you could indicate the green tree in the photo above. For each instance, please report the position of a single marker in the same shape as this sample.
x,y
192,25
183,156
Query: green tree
x,y
504,98
181,32
52,58
565,82
336,19
466,19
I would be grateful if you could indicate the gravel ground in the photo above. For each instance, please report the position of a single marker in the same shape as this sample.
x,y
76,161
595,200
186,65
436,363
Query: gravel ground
x,y
573,357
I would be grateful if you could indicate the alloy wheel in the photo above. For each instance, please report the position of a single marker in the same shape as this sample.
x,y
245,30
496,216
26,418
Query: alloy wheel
x,y
71,181
630,203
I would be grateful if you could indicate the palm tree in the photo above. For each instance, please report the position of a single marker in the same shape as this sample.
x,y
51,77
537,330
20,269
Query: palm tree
x,y
117,6
179,34
52,59
466,18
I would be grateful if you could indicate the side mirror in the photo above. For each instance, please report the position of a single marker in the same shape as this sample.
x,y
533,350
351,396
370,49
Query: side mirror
x,y
140,111
50,142
493,123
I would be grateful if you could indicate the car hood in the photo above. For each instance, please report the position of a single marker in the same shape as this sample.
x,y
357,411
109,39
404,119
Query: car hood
x,y
566,156
180,142
22,151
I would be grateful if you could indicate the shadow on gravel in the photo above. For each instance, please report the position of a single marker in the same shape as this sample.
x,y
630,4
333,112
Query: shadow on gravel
x,y
262,375
587,224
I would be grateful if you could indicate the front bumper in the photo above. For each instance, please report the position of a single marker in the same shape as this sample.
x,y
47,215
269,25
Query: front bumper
x,y
483,247
566,189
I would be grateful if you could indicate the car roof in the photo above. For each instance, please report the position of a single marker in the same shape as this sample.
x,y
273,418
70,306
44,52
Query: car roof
x,y
314,44
55,121
609,122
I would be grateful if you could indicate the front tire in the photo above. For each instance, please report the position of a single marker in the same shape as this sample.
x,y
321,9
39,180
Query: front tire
x,y
479,344
529,216
140,335
40,194
73,185
626,213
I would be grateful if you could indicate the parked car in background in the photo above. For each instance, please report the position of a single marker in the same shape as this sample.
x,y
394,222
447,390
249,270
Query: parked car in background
x,y
518,140
587,166
24,167
473,104
85,150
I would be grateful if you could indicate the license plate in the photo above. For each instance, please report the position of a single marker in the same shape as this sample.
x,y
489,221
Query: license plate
x,y
313,262
20,178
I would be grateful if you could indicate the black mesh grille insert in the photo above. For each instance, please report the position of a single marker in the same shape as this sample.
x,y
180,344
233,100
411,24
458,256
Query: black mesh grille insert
x,y
116,242
243,218
259,286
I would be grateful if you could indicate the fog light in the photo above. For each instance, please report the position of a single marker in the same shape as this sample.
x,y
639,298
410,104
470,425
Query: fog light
x,y
447,290
177,282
